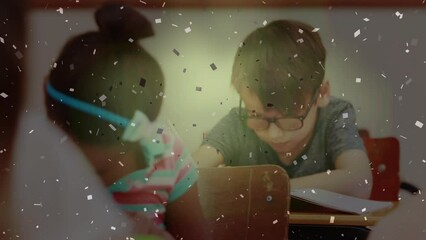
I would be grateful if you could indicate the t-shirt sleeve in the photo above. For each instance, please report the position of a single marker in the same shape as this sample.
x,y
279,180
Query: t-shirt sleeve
x,y
186,172
342,131
224,136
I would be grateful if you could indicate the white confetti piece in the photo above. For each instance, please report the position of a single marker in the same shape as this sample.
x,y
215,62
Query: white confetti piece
x,y
1,40
158,20
19,55
300,31
399,15
315,29
403,137
89,197
419,124
113,228
241,195
102,98
60,10
4,95
30,131
131,40
366,19
358,80
94,51
313,191
364,209
304,157
275,221
300,40
121,164
265,22
345,115
71,89
188,29
294,162
63,139
112,127
356,33
331,219
328,171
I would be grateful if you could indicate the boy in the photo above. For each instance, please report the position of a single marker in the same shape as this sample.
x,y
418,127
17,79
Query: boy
x,y
289,117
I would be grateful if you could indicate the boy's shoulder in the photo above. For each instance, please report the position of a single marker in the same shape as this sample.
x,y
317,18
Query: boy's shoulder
x,y
337,106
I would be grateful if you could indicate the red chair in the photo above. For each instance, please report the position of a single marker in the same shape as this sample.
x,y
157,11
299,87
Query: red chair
x,y
384,157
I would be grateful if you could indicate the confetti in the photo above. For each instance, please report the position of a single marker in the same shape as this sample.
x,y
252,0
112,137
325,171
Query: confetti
x,y
275,221
112,127
300,40
102,98
358,80
19,55
113,228
331,219
176,52
265,22
1,40
304,157
398,14
366,19
188,29
300,31
4,95
315,29
60,10
213,66
142,82
89,197
356,33
198,89
131,40
364,209
63,139
419,124
345,115
158,20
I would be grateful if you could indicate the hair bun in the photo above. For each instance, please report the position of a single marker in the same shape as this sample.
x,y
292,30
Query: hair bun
x,y
119,22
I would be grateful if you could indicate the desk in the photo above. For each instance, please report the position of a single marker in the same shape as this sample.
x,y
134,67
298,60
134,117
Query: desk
x,y
339,218
332,226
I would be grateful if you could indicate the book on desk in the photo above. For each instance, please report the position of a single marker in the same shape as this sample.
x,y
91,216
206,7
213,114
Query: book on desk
x,y
323,201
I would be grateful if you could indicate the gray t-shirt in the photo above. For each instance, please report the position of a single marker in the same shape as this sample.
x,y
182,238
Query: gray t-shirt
x,y
335,132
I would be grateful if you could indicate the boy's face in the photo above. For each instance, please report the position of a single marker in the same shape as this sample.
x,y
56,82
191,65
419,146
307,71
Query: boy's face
x,y
283,141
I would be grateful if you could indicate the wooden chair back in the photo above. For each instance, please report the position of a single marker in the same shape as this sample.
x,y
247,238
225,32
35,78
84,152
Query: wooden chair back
x,y
249,202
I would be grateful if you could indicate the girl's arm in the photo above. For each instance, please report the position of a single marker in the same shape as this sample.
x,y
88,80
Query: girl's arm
x,y
184,217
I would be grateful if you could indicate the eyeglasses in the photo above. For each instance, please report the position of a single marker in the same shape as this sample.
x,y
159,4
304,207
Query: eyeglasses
x,y
258,122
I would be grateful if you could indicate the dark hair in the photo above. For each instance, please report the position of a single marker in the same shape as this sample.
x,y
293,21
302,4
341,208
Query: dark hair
x,y
282,63
111,63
